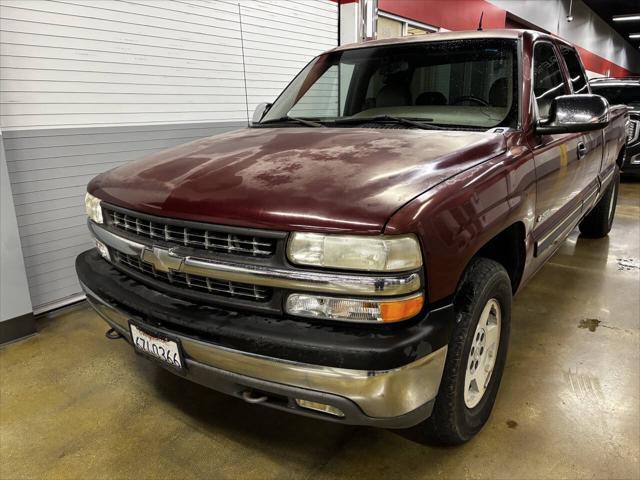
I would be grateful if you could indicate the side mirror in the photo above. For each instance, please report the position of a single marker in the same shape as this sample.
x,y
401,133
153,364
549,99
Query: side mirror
x,y
259,112
575,113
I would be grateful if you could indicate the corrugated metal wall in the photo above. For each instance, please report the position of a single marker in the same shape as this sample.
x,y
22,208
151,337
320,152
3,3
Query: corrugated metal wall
x,y
88,85
49,170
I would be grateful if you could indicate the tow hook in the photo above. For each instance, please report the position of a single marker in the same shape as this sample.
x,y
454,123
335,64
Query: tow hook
x,y
250,396
112,334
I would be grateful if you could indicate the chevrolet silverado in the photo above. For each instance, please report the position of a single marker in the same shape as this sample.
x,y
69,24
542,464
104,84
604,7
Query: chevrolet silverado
x,y
352,255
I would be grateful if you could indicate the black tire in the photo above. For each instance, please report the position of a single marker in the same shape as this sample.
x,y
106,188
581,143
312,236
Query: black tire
x,y
598,222
452,422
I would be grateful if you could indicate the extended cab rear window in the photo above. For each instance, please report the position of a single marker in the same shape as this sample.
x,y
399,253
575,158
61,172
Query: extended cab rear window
x,y
466,83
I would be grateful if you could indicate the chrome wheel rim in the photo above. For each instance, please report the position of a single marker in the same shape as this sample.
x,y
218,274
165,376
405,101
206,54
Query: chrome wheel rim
x,y
483,353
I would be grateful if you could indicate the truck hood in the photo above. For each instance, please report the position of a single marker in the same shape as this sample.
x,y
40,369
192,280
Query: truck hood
x,y
327,179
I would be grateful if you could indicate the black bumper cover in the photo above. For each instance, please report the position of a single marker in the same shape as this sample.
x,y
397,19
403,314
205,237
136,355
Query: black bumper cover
x,y
361,347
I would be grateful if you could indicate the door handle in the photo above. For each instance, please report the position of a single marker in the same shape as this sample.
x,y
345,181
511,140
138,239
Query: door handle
x,y
582,150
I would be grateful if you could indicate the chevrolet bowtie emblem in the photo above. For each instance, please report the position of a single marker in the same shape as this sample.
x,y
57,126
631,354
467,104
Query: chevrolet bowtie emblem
x,y
162,259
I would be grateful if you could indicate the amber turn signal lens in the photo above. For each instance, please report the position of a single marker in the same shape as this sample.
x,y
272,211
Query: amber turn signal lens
x,y
380,310
402,309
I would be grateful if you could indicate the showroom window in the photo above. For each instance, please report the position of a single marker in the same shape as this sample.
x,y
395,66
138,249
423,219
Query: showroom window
x,y
548,82
390,26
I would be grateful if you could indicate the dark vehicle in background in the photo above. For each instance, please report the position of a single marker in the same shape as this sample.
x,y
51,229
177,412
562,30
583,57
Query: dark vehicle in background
x,y
352,256
624,91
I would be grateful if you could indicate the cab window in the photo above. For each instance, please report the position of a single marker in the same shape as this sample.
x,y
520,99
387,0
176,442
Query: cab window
x,y
548,82
578,80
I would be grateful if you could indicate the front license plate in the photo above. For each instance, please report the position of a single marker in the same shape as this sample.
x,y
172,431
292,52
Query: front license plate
x,y
165,350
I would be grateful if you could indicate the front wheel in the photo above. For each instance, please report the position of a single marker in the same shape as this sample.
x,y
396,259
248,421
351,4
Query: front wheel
x,y
476,355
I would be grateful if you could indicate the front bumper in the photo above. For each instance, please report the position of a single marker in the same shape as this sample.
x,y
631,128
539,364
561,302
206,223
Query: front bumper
x,y
397,396
631,161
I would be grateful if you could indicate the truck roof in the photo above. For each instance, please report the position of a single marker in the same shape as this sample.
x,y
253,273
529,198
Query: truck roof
x,y
457,35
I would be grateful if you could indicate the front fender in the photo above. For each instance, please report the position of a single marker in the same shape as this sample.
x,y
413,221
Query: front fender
x,y
458,217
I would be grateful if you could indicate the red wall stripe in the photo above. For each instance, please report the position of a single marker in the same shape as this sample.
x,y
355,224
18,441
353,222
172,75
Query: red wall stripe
x,y
598,64
452,15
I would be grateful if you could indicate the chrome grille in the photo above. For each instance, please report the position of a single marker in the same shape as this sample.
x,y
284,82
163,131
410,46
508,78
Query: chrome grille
x,y
245,245
194,282
633,131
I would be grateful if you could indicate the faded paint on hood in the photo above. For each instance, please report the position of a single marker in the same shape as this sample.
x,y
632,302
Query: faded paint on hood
x,y
330,179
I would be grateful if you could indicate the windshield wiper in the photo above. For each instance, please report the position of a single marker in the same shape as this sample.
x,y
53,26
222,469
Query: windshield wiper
x,y
308,123
423,123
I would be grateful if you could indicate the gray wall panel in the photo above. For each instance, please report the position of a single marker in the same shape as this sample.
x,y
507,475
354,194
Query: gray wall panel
x,y
110,146
49,170
59,263
50,215
87,159
56,296
48,174
50,260
25,198
52,277
14,297
32,240
56,245
35,207
52,225
50,184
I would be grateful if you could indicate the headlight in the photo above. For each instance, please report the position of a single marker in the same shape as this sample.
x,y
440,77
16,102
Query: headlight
x,y
354,310
92,207
383,253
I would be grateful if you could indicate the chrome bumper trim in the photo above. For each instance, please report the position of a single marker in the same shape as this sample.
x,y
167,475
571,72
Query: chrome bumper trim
x,y
379,393
182,260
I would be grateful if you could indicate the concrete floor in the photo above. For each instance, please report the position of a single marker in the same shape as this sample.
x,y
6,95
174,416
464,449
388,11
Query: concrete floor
x,y
76,405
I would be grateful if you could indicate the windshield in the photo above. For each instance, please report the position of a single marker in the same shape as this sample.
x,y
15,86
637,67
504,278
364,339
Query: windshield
x,y
465,83
619,95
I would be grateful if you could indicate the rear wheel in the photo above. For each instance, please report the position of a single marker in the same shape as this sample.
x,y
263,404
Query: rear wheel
x,y
598,222
476,355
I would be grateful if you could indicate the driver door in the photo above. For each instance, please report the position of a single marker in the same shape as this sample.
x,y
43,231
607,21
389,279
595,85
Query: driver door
x,y
591,143
557,164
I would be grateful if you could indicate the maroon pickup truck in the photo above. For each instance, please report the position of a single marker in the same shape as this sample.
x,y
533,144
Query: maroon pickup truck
x,y
352,256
